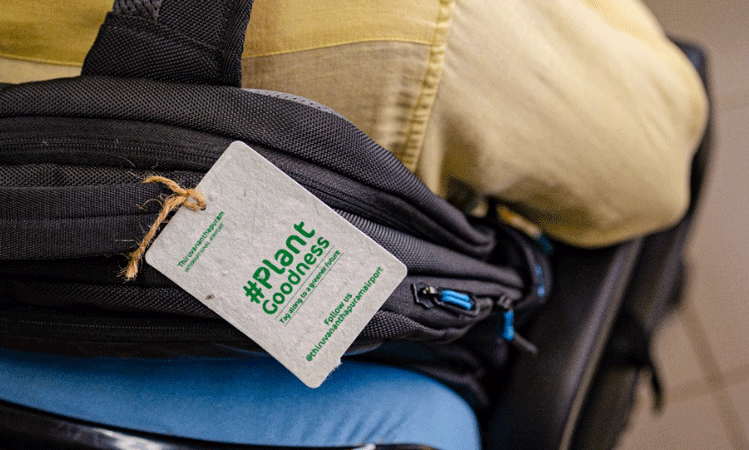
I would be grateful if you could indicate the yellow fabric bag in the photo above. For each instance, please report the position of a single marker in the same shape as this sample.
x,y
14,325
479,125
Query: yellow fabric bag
x,y
580,114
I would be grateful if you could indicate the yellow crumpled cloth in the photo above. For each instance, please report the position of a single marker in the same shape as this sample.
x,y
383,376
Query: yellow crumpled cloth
x,y
578,113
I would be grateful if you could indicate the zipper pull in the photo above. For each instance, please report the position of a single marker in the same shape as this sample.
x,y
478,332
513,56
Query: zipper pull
x,y
431,296
508,329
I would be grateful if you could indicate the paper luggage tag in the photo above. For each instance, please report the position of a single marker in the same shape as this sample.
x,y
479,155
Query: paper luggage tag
x,y
277,263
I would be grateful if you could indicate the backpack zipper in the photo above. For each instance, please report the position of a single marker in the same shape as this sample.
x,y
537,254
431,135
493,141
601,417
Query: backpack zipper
x,y
508,331
465,303
456,302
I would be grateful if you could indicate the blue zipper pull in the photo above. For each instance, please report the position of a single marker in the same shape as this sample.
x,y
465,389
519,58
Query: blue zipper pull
x,y
508,329
454,301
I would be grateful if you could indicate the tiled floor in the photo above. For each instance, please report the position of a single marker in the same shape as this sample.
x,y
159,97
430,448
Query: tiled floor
x,y
703,351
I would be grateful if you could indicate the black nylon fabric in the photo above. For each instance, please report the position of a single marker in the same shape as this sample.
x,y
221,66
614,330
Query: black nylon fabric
x,y
317,147
312,134
75,221
426,258
86,327
141,301
33,242
71,202
89,220
94,270
65,175
143,8
134,299
386,325
172,40
181,60
95,144
95,282
454,364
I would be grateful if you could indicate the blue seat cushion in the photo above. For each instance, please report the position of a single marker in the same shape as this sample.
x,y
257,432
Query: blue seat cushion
x,y
249,400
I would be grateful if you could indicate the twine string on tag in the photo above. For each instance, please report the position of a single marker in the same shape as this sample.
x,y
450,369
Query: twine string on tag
x,y
190,198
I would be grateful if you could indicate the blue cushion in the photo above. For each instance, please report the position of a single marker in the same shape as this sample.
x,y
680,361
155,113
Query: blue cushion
x,y
249,400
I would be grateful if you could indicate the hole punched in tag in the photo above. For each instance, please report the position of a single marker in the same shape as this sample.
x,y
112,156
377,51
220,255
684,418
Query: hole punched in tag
x,y
189,198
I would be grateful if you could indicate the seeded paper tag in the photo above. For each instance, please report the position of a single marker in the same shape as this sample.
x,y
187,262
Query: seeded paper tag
x,y
277,263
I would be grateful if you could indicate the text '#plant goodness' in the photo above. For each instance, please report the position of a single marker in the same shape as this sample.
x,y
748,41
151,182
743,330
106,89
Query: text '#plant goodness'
x,y
280,276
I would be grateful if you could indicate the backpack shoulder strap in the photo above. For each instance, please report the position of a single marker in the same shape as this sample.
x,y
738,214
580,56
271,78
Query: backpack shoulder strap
x,y
183,41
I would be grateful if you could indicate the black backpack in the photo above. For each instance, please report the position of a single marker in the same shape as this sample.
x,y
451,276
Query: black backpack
x,y
160,95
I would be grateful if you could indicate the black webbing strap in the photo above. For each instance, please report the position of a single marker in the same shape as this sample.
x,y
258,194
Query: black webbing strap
x,y
631,346
183,41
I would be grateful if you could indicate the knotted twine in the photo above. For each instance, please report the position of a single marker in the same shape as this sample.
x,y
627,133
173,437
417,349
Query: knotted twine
x,y
190,198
